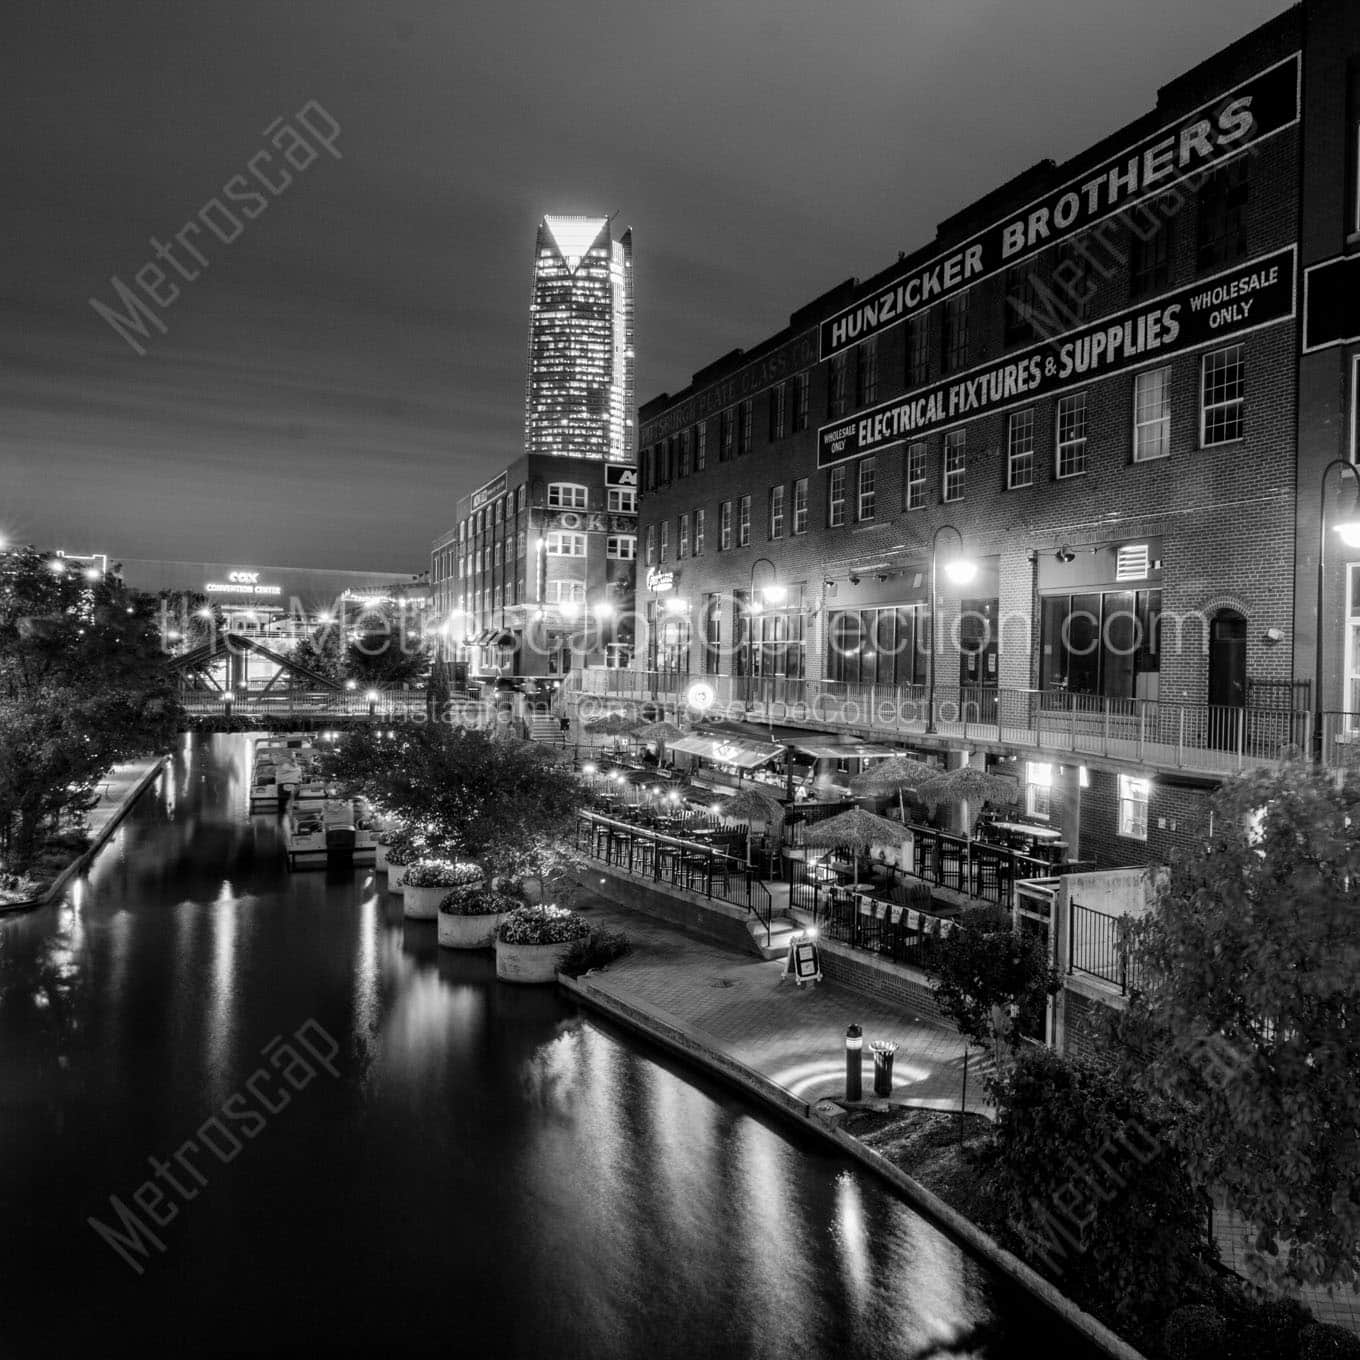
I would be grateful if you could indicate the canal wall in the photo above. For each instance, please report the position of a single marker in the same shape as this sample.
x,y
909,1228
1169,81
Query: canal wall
x,y
823,1119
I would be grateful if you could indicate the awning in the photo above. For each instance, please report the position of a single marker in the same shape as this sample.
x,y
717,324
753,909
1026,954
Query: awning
x,y
483,637
744,755
850,751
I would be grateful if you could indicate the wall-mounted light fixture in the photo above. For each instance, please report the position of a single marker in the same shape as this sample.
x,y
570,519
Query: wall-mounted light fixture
x,y
1065,555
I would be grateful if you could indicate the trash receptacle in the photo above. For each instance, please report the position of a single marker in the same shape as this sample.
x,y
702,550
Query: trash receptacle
x,y
883,1065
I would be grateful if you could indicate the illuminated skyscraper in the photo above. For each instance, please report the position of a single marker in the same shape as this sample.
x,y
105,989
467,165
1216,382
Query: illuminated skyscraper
x,y
579,393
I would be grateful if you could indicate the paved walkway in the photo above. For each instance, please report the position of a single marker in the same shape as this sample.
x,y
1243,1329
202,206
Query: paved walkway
x,y
116,792
795,1036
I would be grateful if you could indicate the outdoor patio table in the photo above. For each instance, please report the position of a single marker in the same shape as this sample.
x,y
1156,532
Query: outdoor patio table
x,y
1039,833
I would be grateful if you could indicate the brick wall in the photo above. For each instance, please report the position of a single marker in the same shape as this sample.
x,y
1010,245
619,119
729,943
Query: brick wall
x,y
1188,808
904,987
1085,1019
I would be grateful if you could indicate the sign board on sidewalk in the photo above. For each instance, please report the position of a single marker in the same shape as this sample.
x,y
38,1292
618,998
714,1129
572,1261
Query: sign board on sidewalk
x,y
804,962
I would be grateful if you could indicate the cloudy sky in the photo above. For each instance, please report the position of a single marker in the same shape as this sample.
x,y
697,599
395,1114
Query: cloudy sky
x,y
332,379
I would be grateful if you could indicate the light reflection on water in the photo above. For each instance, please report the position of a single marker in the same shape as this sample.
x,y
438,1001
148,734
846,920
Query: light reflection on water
x,y
490,1164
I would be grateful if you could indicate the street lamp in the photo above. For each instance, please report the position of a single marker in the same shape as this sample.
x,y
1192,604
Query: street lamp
x,y
854,1063
1349,532
372,697
960,569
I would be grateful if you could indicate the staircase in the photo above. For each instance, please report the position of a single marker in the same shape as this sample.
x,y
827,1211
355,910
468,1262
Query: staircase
x,y
781,927
546,728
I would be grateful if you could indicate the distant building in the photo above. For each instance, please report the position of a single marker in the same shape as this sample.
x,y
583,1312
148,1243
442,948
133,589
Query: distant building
x,y
579,394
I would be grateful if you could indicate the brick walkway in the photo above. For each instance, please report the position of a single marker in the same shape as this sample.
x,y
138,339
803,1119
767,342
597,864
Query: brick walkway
x,y
793,1035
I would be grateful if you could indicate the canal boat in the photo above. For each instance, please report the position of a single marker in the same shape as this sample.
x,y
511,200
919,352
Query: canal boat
x,y
325,836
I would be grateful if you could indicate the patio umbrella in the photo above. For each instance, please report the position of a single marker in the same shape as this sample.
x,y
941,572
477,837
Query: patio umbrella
x,y
895,773
855,828
753,804
661,732
611,724
970,785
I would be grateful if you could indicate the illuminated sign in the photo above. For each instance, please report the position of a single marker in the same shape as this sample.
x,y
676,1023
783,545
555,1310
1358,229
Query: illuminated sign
x,y
496,487
241,583
621,476
244,578
659,580
1242,117
1258,293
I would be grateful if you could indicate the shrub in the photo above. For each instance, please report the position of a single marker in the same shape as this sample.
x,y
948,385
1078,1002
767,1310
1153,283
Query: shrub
x,y
440,873
549,924
598,950
1259,1327
479,901
1194,1332
1326,1341
402,851
393,838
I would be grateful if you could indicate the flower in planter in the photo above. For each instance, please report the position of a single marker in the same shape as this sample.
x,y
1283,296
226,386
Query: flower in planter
x,y
479,901
440,873
549,924
401,852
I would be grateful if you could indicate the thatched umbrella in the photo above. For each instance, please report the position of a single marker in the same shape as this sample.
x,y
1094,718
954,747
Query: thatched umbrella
x,y
611,724
753,804
660,732
896,773
970,785
858,829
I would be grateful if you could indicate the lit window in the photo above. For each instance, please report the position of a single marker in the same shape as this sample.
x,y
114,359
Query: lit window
x,y
1038,789
800,506
622,500
1222,397
621,547
865,489
1020,449
651,544
777,511
1133,807
835,497
566,545
562,592
567,496
1152,415
914,494
744,522
724,526
682,538
955,458
663,541
698,533
1072,435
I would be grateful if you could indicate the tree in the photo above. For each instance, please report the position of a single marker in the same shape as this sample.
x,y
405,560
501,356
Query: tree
x,y
84,682
1250,1015
322,652
988,974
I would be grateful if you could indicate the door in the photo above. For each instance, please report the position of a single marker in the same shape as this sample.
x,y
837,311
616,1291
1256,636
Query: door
x,y
1227,678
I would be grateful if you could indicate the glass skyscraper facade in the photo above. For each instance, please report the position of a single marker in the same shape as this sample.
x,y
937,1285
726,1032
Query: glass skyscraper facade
x,y
579,392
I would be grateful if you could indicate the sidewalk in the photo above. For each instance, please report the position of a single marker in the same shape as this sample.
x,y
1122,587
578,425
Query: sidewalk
x,y
793,1036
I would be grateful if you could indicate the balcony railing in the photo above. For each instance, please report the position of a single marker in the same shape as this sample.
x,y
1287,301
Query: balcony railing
x,y
1203,738
1098,947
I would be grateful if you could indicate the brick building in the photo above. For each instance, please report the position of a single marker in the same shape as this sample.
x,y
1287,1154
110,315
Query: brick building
x,y
1090,392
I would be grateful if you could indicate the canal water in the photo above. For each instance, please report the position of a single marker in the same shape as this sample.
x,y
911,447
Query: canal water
x,y
248,1111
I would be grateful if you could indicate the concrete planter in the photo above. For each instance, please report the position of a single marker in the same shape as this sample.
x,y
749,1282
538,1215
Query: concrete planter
x,y
380,859
469,932
422,904
396,877
529,962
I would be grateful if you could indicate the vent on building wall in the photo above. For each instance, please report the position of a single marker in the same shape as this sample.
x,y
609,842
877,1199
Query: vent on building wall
x,y
1131,562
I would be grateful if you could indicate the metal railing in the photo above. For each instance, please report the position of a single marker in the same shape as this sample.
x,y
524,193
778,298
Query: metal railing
x,y
1207,738
389,704
1098,946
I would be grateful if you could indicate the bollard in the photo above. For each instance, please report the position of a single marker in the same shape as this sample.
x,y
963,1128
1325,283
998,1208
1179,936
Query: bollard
x,y
883,1066
854,1063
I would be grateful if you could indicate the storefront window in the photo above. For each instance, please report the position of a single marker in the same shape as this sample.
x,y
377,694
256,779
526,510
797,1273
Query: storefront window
x,y
877,646
1101,643
978,642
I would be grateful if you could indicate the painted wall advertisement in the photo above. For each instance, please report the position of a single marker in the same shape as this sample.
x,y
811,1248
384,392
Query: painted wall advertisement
x,y
1211,311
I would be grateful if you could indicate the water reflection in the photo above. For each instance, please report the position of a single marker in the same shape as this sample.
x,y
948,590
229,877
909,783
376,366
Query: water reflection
x,y
489,1165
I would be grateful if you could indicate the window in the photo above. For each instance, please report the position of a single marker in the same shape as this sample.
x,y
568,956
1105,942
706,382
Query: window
x,y
701,446
712,632
621,547
522,496
567,495
1106,643
1020,449
918,349
566,545
914,478
1072,282
1020,304
955,453
835,496
622,500
683,438
1222,397
864,495
1152,415
1221,215
698,533
955,348
727,435
1072,435
521,543
725,526
800,506
682,538
1038,789
866,372
837,387
776,412
877,646
562,592
1133,807
777,511
462,530
744,427
1149,255
651,544
802,391
663,540
744,522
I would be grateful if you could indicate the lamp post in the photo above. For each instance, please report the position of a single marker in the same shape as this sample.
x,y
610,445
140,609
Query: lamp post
x,y
960,570
854,1063
372,697
1349,530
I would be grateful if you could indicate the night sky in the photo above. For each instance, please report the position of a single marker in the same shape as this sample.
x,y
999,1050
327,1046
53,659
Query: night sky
x,y
338,374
